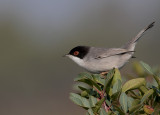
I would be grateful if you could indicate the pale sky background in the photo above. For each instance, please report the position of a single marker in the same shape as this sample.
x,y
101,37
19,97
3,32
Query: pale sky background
x,y
34,34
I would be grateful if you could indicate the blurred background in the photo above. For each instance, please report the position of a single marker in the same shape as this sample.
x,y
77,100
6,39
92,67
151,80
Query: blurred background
x,y
34,34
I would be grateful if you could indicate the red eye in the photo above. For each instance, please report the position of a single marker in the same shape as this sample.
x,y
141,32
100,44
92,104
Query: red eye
x,y
76,53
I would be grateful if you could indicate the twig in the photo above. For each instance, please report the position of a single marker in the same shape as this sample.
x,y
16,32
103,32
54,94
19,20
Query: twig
x,y
101,93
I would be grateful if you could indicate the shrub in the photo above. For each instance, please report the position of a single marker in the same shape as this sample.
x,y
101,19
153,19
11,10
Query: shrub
x,y
107,95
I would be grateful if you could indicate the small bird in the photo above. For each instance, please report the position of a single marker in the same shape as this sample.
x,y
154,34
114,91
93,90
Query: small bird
x,y
99,60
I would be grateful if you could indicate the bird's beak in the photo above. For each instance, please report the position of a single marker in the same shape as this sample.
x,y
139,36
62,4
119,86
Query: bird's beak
x,y
65,55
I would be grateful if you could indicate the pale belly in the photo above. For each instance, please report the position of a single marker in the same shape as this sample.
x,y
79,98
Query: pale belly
x,y
106,64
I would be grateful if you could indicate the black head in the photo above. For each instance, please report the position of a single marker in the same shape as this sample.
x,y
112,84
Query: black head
x,y
79,51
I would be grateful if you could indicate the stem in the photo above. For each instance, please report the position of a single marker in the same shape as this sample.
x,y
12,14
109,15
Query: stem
x,y
101,93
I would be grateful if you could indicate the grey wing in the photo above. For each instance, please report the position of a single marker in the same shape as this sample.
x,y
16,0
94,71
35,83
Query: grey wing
x,y
112,52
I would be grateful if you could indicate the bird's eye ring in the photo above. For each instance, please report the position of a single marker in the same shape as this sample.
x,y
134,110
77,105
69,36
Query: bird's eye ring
x,y
76,53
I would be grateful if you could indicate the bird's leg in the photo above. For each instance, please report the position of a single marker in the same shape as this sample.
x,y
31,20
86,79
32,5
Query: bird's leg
x,y
104,73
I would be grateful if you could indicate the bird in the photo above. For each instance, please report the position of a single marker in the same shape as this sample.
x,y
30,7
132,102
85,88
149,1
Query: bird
x,y
100,60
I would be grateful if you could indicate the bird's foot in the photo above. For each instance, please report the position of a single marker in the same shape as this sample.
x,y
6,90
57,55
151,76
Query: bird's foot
x,y
104,73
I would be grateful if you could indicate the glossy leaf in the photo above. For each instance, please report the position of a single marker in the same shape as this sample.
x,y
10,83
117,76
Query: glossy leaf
x,y
109,104
149,70
157,79
147,67
143,89
116,76
102,112
123,101
90,82
133,84
108,79
147,95
84,93
115,83
81,101
135,108
119,110
130,101
98,79
92,101
115,95
116,86
98,105
135,102
90,111
82,88
83,76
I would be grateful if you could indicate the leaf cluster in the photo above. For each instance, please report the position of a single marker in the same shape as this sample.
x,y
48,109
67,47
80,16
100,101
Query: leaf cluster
x,y
107,95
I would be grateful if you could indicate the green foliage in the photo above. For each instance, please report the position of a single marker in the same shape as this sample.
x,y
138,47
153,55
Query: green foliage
x,y
133,84
106,95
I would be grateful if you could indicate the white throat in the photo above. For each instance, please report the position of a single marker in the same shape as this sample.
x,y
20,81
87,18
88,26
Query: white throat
x,y
77,60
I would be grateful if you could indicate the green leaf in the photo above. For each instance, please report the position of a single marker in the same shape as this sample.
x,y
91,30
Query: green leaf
x,y
82,88
84,93
123,101
133,84
92,101
117,86
103,112
147,95
109,104
135,108
90,112
109,78
143,89
147,67
120,99
81,101
134,94
130,101
115,96
98,79
90,82
83,76
135,102
116,76
119,110
98,105
157,79
88,79
88,91
149,70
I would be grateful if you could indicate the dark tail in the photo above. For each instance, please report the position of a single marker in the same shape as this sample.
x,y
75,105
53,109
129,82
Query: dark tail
x,y
131,44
